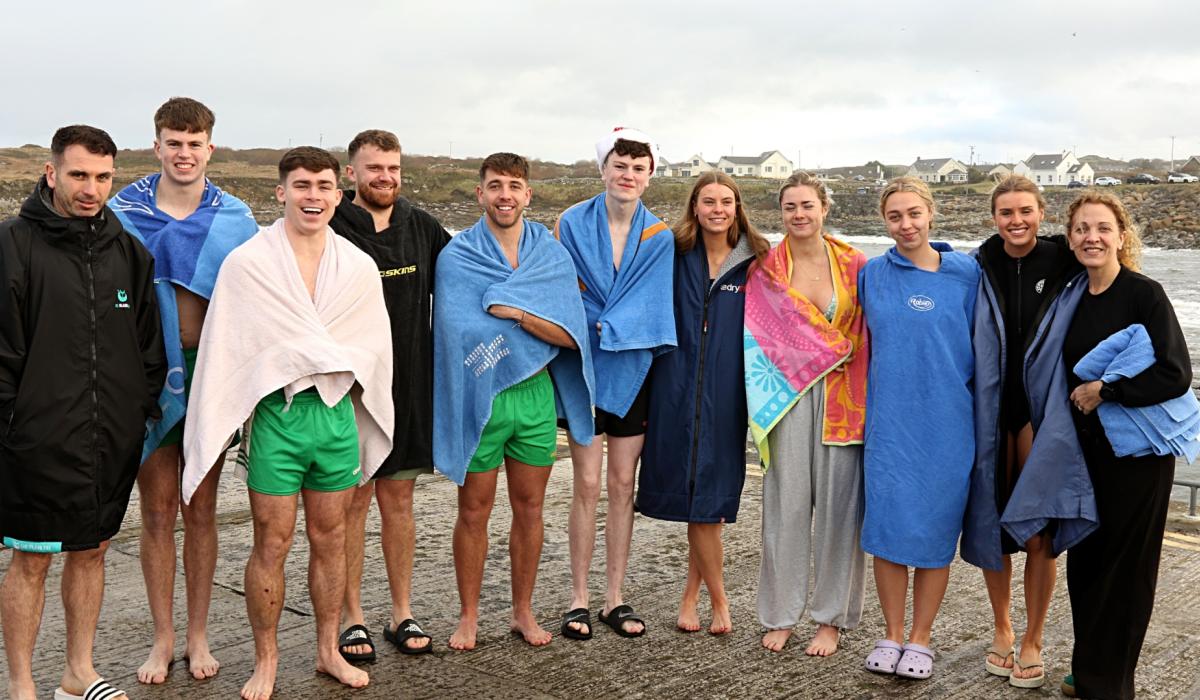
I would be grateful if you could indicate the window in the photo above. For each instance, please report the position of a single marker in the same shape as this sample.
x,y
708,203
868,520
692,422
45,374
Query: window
x,y
768,169
1039,178
695,162
728,171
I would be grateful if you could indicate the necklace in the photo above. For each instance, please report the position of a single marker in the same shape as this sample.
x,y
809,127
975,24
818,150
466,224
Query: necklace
x,y
811,277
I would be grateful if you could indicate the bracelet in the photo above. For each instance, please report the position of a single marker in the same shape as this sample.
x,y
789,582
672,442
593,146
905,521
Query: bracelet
x,y
521,320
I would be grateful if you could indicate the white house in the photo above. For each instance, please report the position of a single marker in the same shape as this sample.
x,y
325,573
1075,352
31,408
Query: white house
x,y
692,167
1192,166
938,170
768,164
999,172
1055,169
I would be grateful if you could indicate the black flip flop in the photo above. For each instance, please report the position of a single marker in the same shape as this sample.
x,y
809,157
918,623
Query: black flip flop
x,y
618,616
356,635
406,630
578,616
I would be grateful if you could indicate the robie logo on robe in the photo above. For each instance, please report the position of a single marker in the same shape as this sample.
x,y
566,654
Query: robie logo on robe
x,y
920,302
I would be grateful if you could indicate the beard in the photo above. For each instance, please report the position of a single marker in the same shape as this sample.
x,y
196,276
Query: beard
x,y
379,199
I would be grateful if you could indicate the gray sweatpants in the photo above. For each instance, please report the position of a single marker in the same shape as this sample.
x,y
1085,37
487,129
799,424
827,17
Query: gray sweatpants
x,y
812,509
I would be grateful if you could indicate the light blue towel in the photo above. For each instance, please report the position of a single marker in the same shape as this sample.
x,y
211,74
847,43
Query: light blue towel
x,y
187,253
632,305
476,355
1170,427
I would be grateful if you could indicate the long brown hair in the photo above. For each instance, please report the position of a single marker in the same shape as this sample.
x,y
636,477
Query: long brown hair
x,y
688,230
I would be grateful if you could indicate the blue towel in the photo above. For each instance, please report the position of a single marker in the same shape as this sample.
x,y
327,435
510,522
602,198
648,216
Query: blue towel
x,y
187,253
632,304
1170,427
476,355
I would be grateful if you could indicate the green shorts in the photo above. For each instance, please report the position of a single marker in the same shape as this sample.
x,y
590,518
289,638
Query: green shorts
x,y
174,436
308,446
522,426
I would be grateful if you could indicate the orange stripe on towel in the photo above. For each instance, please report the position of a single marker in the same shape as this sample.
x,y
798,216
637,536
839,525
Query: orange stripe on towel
x,y
656,228
582,286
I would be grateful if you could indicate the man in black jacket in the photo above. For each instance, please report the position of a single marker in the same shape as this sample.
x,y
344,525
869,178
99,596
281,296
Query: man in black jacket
x,y
404,241
81,365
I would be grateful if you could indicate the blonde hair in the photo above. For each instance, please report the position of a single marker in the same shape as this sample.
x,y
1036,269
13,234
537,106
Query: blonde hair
x,y
688,230
907,183
1017,183
1130,254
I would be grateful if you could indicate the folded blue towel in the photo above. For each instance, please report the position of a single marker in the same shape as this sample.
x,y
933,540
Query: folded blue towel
x,y
632,305
476,355
1170,427
188,253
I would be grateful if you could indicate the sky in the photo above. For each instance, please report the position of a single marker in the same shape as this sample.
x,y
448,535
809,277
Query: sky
x,y
829,84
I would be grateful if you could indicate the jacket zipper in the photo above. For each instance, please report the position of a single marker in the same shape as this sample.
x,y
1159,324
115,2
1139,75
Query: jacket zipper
x,y
699,395
92,329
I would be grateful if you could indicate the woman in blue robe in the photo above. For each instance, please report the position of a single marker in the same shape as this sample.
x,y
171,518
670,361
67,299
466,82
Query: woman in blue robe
x,y
919,301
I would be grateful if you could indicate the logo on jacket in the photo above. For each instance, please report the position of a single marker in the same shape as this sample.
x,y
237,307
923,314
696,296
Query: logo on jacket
x,y
920,302
1041,284
122,300
397,271
735,288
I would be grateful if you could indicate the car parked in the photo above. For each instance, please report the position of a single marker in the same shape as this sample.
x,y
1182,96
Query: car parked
x,y
1182,177
1107,181
1144,179
1075,184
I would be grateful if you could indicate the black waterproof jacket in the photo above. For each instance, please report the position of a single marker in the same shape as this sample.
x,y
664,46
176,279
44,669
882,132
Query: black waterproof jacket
x,y
406,253
81,365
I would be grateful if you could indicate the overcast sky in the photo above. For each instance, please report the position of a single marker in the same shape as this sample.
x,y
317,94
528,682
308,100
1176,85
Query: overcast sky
x,y
832,83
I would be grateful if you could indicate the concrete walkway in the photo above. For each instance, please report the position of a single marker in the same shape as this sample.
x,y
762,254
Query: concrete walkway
x,y
663,664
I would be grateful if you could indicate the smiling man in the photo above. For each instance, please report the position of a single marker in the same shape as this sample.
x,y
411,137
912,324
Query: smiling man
x,y
81,364
190,225
505,310
624,257
404,242
296,348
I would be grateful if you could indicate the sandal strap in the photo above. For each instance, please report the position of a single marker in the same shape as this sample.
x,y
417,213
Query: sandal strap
x,y
101,690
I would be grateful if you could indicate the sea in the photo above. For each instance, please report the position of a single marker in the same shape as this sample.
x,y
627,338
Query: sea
x,y
1178,271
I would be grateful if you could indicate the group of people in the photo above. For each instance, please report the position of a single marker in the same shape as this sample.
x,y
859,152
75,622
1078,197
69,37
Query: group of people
x,y
897,403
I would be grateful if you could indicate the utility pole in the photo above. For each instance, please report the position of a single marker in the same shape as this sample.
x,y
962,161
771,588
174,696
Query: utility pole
x,y
971,161
451,148
1172,169
321,141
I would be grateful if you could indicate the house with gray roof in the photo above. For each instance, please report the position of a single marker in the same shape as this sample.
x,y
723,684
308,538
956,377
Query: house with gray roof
x,y
1192,166
1055,169
769,164
935,170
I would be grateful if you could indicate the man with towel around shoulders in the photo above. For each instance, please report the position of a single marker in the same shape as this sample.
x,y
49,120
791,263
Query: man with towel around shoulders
x,y
506,310
404,241
189,225
296,347
625,261
81,364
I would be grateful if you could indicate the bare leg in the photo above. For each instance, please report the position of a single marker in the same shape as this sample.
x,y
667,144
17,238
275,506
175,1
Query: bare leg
x,y
526,493
581,523
999,588
704,541
399,539
274,527
356,525
22,599
623,455
82,595
1040,575
199,568
158,493
689,614
476,497
891,582
929,587
325,525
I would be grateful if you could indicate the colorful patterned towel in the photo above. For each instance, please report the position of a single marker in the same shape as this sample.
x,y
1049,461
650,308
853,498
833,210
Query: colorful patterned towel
x,y
789,346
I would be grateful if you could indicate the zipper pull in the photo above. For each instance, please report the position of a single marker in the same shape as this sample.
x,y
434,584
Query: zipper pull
x,y
704,328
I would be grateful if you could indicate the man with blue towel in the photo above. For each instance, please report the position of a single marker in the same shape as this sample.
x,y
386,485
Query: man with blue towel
x,y
506,310
625,259
189,225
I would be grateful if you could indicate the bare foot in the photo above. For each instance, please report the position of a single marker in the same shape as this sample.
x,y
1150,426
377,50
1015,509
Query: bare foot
x,y
75,684
1001,640
824,642
261,684
463,638
200,660
526,626
158,664
1031,660
340,670
776,640
721,624
689,617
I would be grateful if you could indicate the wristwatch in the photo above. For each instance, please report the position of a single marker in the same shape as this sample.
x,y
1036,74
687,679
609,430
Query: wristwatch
x,y
1107,393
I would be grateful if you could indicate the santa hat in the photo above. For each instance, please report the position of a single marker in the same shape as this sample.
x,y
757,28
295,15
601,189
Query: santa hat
x,y
605,145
